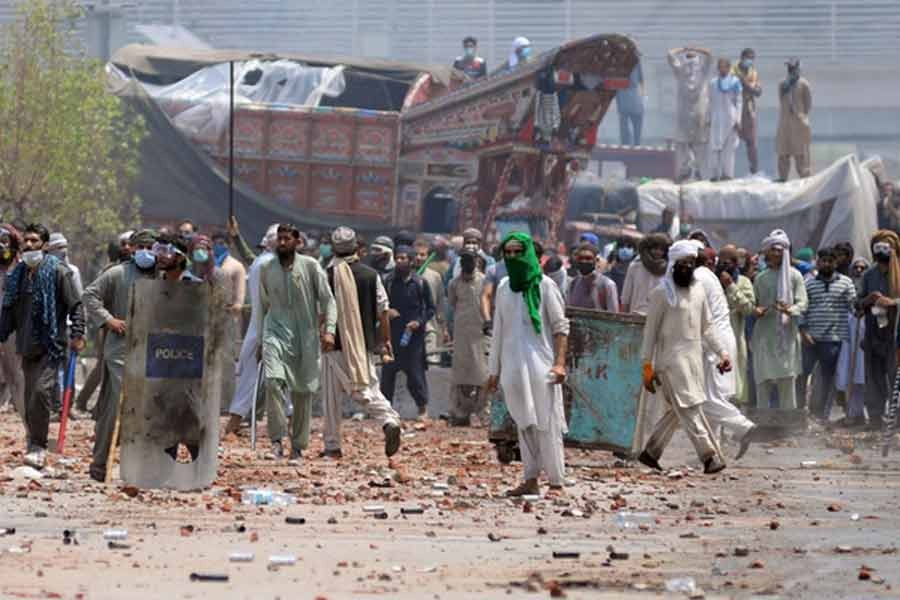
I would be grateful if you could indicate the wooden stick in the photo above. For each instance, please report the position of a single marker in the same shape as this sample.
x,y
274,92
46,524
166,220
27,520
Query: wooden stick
x,y
111,457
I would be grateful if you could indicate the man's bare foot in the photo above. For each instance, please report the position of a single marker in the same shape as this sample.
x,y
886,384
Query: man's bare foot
x,y
528,488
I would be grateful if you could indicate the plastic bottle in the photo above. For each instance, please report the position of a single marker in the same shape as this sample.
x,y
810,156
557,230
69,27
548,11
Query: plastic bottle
x,y
632,520
259,497
241,557
685,585
115,534
405,338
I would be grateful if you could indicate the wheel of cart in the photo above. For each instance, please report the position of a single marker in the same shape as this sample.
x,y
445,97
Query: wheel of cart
x,y
602,394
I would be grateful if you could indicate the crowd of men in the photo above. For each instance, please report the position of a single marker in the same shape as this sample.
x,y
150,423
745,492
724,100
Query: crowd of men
x,y
727,329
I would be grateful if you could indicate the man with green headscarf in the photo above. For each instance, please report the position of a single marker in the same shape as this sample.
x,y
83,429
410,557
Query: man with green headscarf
x,y
528,354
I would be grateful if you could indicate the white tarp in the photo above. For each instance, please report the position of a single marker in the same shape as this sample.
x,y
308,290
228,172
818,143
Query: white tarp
x,y
199,104
835,205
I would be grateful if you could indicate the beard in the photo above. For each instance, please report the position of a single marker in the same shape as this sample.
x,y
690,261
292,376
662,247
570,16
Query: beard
x,y
683,277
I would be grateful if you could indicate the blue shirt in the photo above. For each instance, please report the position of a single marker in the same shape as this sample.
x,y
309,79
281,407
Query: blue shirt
x,y
629,100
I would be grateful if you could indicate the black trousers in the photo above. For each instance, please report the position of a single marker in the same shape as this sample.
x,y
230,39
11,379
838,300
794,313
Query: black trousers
x,y
414,369
41,389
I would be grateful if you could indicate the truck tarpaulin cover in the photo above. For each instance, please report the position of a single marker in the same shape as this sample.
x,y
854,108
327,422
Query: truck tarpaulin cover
x,y
835,205
179,180
173,378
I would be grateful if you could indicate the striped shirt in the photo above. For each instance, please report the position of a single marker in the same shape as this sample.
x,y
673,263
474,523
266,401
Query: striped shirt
x,y
829,303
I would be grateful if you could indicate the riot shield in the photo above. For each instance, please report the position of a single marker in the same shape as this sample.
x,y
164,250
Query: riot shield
x,y
171,387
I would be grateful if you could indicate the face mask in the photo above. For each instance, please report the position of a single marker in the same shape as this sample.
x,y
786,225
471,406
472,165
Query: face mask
x,y
626,253
525,52
469,52
32,258
200,255
683,276
586,268
883,257
144,259
747,63
220,250
325,250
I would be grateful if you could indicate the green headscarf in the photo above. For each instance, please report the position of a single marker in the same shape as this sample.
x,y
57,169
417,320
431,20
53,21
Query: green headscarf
x,y
525,275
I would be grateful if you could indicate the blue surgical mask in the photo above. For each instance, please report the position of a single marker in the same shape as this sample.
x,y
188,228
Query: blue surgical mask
x,y
144,259
325,250
200,255
626,253
469,52
746,63
526,52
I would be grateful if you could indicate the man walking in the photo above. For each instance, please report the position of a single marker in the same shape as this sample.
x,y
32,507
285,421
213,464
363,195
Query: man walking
x,y
794,134
469,348
751,90
679,323
107,300
590,289
39,297
411,308
294,296
348,369
528,359
721,387
725,109
823,328
879,295
780,300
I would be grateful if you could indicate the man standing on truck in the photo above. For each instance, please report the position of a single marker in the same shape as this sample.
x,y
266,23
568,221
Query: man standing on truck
x,y
527,359
469,62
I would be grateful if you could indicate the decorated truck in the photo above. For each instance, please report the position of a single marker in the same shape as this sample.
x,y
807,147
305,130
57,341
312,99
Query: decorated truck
x,y
384,144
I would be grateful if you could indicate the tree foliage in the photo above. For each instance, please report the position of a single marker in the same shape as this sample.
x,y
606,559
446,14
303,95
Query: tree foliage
x,y
68,155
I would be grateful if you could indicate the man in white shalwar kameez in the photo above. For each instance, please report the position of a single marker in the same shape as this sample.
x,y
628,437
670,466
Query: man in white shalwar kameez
x,y
721,387
679,323
527,359
691,67
725,109
248,364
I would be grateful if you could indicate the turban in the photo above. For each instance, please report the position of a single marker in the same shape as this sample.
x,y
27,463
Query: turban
x,y
785,292
404,238
144,237
343,241
805,254
472,234
385,242
679,250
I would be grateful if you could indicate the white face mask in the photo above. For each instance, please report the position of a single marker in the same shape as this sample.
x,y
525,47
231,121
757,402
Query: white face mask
x,y
32,258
